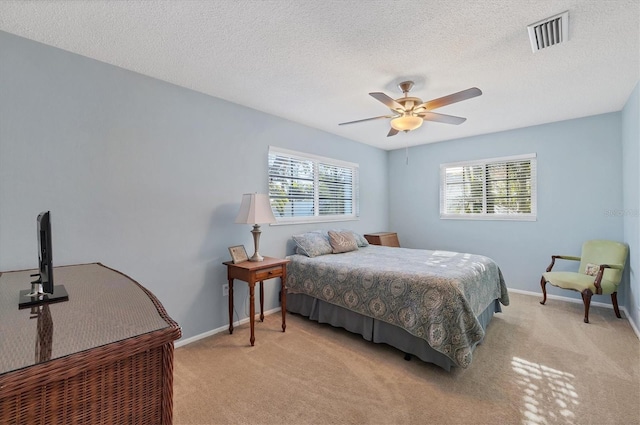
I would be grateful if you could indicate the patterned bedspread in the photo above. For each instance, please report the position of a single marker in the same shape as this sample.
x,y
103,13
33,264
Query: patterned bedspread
x,y
434,295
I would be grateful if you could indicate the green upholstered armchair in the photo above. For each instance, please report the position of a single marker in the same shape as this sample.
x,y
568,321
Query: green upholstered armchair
x,y
600,271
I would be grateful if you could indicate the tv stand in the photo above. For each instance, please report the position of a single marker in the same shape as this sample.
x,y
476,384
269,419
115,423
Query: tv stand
x,y
103,357
33,297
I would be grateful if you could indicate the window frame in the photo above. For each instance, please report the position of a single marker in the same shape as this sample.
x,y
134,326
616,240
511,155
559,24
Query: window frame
x,y
316,160
484,215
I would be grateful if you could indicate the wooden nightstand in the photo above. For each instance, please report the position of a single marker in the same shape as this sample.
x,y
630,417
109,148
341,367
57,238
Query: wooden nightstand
x,y
383,238
257,271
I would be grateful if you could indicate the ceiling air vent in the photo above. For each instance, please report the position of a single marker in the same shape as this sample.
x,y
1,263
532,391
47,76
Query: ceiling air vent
x,y
549,32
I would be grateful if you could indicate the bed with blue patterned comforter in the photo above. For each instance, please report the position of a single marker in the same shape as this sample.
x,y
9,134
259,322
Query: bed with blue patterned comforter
x,y
434,295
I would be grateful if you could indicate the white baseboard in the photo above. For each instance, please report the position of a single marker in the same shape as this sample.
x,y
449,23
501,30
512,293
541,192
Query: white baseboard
x,y
577,301
182,342
561,298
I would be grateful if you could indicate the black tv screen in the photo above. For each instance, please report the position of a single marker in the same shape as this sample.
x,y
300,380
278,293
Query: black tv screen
x,y
42,289
45,252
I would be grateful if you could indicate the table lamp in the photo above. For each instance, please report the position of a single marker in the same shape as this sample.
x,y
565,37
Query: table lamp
x,y
255,209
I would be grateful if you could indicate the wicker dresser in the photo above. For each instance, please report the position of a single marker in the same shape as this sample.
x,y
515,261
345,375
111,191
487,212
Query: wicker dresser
x,y
105,356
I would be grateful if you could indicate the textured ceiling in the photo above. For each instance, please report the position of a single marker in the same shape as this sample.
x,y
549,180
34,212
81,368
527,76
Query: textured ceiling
x,y
314,62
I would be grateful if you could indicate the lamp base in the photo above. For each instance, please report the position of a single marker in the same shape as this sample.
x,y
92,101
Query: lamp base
x,y
256,257
256,243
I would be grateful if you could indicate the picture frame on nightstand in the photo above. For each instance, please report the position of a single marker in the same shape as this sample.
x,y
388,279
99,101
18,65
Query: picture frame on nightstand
x,y
238,254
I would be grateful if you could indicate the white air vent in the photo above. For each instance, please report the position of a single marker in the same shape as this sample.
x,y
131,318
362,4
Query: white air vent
x,y
549,32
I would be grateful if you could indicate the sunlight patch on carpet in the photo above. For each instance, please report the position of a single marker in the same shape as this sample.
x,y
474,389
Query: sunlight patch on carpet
x,y
548,394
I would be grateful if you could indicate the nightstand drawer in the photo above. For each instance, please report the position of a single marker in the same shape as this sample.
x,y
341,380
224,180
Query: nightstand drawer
x,y
269,273
383,238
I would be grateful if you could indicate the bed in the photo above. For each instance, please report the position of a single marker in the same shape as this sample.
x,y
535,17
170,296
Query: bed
x,y
434,305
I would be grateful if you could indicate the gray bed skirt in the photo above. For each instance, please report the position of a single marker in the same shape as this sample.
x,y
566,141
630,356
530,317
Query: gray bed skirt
x,y
376,330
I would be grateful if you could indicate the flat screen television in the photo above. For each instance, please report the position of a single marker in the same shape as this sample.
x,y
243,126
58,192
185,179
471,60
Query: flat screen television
x,y
45,252
42,289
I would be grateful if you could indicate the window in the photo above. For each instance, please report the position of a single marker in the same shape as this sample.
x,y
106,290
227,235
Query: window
x,y
308,188
494,189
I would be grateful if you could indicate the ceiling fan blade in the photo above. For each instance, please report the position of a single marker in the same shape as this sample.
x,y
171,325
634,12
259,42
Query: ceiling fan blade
x,y
392,132
452,98
447,119
368,119
389,102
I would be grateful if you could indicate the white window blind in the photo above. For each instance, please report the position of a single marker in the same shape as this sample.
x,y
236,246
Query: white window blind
x,y
497,188
305,187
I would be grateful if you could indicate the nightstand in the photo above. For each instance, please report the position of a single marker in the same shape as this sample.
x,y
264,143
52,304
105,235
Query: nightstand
x,y
383,238
257,271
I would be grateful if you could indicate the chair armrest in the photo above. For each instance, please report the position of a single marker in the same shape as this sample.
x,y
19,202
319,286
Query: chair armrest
x,y
612,266
601,272
567,257
599,278
562,257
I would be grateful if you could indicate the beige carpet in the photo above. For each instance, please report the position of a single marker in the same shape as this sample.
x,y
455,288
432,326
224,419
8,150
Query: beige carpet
x,y
538,365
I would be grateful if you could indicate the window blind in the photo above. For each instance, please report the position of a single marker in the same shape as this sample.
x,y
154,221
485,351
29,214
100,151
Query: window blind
x,y
497,188
304,187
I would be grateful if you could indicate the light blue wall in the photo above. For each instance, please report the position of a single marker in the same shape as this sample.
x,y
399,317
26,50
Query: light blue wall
x,y
631,190
146,177
579,181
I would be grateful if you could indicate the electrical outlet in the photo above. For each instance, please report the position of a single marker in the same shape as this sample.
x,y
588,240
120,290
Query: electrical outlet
x,y
225,290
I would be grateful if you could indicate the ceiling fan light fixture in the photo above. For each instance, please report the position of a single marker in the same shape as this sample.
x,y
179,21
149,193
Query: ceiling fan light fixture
x,y
406,123
408,113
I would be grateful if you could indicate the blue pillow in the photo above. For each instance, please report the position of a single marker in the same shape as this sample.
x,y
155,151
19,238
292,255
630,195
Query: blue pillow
x,y
312,244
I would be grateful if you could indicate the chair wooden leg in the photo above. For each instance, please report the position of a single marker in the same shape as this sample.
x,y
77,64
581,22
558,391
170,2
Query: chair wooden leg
x,y
614,301
543,284
586,299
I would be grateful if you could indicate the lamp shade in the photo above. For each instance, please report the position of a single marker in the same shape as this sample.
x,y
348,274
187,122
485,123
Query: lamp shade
x,y
255,209
406,123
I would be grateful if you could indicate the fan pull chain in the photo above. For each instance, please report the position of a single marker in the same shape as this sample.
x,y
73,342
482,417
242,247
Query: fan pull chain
x,y
406,151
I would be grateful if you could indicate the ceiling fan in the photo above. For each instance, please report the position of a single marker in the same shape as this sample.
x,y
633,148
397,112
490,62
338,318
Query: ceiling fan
x,y
408,113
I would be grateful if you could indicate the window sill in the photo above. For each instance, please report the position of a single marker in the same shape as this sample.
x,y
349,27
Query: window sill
x,y
495,217
310,220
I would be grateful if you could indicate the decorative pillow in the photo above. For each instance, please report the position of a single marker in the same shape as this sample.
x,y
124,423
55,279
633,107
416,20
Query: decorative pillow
x,y
360,240
592,269
342,241
312,244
